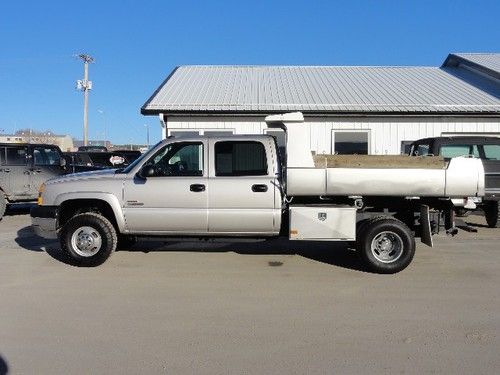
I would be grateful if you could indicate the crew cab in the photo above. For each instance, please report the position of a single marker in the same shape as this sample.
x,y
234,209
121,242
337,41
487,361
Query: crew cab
x,y
237,186
485,148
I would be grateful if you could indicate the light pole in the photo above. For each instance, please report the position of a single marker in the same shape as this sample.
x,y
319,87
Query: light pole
x,y
104,125
147,134
85,85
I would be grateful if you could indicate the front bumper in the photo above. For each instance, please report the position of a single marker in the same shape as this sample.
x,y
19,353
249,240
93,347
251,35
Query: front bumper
x,y
44,220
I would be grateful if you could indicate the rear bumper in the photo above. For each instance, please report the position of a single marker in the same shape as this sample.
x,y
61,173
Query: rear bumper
x,y
44,220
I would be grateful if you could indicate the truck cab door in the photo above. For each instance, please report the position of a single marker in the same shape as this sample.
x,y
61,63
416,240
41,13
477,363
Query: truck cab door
x,y
173,198
243,193
14,172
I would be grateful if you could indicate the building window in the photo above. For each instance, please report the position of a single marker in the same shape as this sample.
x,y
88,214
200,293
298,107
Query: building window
x,y
220,132
183,133
240,158
350,142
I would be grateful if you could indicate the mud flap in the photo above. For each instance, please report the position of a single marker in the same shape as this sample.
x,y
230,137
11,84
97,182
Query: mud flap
x,y
425,224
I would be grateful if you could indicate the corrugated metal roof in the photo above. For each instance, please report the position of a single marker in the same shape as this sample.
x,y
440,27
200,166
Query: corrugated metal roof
x,y
490,61
335,89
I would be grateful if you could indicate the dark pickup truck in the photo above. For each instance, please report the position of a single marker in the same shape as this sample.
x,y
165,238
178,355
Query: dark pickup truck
x,y
23,168
83,161
485,148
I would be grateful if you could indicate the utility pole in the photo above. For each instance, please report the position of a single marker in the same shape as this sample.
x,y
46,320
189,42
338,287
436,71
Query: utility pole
x,y
85,85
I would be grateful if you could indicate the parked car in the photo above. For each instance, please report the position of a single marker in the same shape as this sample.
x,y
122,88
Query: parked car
x,y
23,168
91,161
485,148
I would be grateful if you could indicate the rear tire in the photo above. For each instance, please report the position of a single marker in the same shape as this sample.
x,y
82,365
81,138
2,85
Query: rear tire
x,y
386,245
88,239
492,214
3,204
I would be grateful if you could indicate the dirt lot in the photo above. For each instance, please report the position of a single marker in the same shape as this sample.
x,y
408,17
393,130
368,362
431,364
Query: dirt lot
x,y
265,308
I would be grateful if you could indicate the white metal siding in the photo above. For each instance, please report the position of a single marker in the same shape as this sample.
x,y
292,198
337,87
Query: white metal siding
x,y
385,137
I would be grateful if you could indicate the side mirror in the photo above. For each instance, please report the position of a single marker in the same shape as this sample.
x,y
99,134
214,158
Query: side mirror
x,y
146,171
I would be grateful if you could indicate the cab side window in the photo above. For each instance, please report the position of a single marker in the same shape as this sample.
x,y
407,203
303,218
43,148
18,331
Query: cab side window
x,y
44,156
178,159
15,156
240,158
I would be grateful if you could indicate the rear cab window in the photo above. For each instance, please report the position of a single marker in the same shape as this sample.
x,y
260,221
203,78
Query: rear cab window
x,y
240,158
491,152
453,151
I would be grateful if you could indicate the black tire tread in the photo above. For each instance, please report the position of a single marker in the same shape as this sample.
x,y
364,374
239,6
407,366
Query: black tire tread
x,y
109,233
361,243
492,214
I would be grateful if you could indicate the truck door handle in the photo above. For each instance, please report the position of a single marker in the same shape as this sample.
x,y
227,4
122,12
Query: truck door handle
x,y
36,170
197,188
258,188
6,170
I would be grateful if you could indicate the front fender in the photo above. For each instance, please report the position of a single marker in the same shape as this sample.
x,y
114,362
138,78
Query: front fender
x,y
109,198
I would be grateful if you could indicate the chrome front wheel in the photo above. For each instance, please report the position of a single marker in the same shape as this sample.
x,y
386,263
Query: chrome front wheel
x,y
86,241
88,238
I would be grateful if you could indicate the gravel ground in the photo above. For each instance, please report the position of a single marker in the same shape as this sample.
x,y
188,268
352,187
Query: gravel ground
x,y
248,308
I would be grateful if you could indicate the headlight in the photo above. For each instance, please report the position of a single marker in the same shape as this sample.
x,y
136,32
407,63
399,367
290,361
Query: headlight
x,y
41,189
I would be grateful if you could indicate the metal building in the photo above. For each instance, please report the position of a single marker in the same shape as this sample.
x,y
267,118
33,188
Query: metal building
x,y
350,109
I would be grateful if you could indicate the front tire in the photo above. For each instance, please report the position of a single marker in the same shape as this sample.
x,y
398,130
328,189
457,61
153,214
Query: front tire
x,y
88,238
386,245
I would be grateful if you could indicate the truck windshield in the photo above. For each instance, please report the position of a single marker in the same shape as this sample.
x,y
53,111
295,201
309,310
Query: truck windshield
x,y
137,161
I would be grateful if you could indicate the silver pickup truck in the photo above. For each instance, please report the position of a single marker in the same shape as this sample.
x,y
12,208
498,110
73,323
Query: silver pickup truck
x,y
237,186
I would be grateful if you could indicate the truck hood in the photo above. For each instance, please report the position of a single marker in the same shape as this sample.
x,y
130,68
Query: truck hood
x,y
92,175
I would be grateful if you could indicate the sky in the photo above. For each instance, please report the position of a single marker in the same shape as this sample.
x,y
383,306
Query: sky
x,y
136,44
